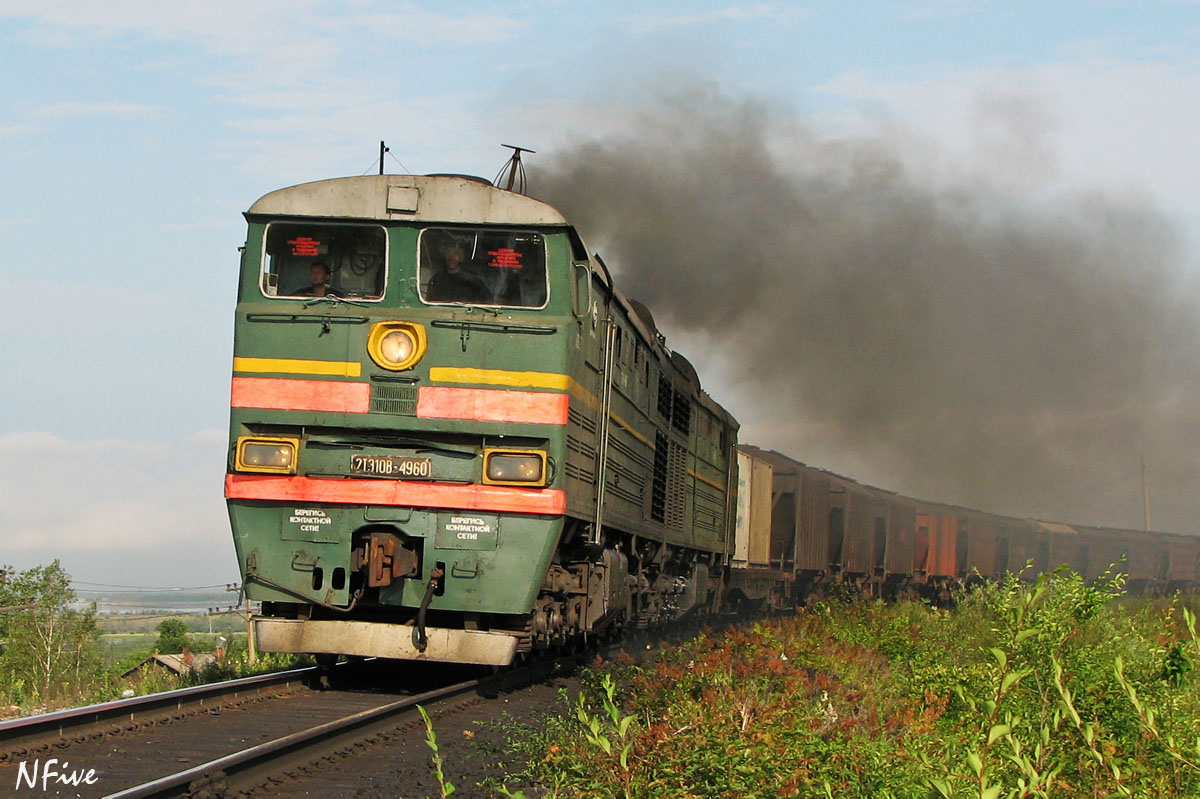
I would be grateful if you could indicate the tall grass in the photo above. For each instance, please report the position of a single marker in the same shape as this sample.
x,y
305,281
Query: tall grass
x,y
1047,689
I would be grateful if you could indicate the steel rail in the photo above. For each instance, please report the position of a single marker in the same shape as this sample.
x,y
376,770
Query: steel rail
x,y
61,722
239,771
247,761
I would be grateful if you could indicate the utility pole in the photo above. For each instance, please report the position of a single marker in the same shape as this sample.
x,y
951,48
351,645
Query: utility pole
x,y
1145,496
251,649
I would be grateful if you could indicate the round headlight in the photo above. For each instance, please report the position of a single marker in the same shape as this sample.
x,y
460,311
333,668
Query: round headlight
x,y
397,346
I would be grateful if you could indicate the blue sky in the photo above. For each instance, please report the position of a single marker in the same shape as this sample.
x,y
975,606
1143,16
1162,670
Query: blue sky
x,y
133,135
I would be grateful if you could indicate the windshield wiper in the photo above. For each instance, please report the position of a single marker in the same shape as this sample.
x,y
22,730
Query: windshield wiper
x,y
334,300
470,307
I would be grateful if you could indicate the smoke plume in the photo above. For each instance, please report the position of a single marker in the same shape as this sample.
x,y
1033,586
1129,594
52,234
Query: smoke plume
x,y
949,339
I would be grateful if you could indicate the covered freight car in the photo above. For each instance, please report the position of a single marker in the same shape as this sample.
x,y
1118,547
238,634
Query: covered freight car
x,y
801,529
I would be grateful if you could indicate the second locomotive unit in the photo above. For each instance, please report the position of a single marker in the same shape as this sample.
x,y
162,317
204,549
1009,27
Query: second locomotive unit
x,y
452,438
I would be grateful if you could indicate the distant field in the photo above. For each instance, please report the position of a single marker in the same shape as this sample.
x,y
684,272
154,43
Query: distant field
x,y
116,646
125,623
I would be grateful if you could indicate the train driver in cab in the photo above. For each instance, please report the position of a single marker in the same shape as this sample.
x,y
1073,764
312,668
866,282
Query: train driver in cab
x,y
457,280
320,282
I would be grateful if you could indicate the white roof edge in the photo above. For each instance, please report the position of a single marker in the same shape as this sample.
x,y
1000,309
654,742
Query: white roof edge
x,y
414,197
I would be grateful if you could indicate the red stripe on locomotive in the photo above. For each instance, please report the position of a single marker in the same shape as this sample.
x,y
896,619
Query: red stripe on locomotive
x,y
300,395
491,405
409,493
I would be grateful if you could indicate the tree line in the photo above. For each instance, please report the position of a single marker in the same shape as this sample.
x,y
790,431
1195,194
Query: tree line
x,y
48,646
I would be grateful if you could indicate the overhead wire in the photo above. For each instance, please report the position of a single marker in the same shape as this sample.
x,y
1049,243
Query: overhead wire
x,y
407,171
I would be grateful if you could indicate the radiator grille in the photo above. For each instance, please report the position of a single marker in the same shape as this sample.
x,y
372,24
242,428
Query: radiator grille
x,y
394,399
681,415
676,487
658,484
664,398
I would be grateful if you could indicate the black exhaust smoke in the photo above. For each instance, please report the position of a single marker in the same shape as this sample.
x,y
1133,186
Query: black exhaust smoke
x,y
951,341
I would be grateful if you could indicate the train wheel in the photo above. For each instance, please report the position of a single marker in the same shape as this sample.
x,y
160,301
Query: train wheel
x,y
325,664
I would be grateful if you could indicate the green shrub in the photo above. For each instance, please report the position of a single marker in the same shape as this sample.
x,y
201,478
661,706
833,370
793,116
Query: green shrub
x,y
1052,689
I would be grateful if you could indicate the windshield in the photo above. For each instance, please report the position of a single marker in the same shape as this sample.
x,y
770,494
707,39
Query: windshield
x,y
482,266
305,259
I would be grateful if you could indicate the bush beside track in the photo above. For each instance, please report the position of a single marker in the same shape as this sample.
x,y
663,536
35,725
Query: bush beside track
x,y
1055,689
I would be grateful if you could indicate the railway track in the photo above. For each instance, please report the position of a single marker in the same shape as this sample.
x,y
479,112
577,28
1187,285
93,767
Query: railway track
x,y
49,732
254,766
242,738
273,735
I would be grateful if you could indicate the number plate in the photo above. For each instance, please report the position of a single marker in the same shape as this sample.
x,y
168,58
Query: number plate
x,y
403,467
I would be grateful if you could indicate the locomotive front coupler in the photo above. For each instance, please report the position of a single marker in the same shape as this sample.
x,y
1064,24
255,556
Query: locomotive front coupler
x,y
384,557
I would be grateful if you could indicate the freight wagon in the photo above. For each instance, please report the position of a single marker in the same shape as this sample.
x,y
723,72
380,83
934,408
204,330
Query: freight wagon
x,y
802,532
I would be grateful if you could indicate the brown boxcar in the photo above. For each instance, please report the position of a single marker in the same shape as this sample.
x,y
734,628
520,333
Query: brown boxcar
x,y
801,508
901,538
981,551
1109,550
935,542
1028,544
827,527
1066,547
813,516
1183,569
853,555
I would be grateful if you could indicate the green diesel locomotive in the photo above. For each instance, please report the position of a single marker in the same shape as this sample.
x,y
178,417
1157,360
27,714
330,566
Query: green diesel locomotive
x,y
432,381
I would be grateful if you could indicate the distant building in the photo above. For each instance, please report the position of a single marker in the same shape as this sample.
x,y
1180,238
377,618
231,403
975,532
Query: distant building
x,y
176,665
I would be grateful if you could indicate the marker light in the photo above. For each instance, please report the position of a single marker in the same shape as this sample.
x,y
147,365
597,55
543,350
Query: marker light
x,y
396,346
526,467
266,454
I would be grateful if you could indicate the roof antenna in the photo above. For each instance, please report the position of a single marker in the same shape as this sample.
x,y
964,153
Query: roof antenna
x,y
382,149
515,169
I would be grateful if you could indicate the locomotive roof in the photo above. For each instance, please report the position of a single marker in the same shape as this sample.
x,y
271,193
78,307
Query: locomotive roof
x,y
445,198
425,198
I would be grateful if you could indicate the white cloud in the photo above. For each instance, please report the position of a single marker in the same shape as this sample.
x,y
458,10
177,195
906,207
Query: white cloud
x,y
317,98
1119,126
85,306
169,19
295,35
48,114
412,23
97,504
67,109
941,9
287,37
649,23
415,130
199,224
